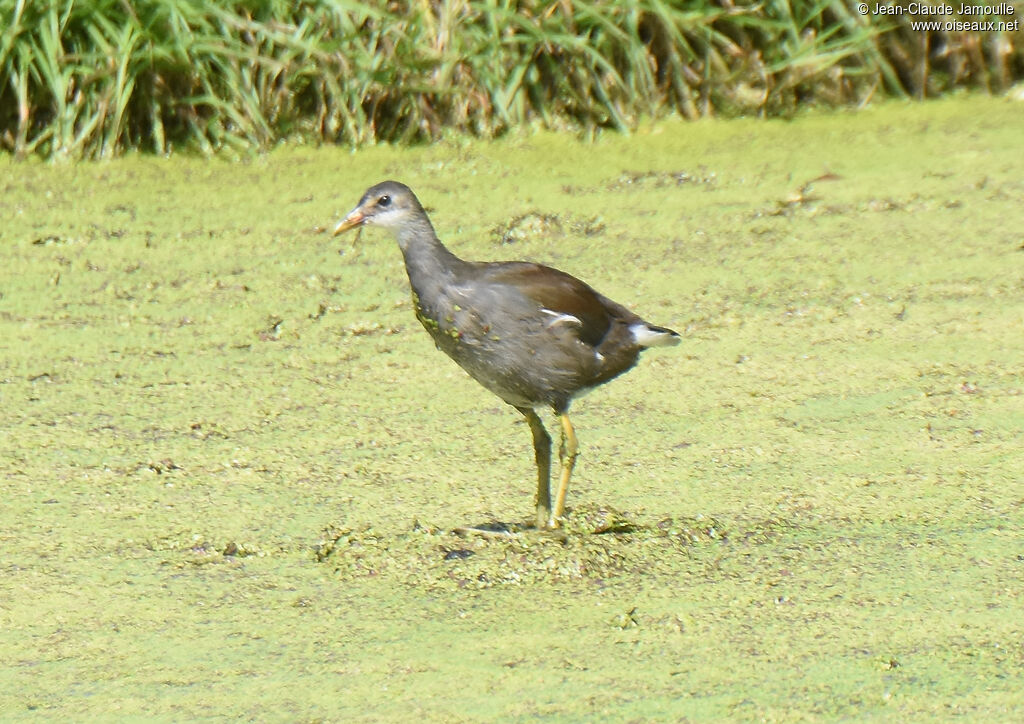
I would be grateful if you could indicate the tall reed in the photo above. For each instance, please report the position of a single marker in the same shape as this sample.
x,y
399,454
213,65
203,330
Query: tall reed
x,y
93,78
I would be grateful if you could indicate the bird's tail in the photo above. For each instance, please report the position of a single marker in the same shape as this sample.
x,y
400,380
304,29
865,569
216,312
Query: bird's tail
x,y
648,335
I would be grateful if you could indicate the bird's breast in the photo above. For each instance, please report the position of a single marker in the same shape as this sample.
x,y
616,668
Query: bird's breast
x,y
440,323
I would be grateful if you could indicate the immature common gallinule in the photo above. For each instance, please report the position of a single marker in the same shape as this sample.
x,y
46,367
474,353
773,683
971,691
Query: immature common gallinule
x,y
530,334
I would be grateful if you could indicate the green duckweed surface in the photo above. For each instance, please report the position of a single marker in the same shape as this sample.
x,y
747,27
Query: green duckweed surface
x,y
231,462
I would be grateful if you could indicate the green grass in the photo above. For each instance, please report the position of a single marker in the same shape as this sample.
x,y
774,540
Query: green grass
x,y
96,78
231,460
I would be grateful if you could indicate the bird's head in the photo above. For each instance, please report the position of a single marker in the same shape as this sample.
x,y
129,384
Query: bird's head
x,y
389,205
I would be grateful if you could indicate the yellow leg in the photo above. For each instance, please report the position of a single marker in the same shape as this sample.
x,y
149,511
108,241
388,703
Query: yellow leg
x,y
542,454
567,453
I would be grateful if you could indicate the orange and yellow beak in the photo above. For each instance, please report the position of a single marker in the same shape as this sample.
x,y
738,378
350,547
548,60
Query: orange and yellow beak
x,y
354,219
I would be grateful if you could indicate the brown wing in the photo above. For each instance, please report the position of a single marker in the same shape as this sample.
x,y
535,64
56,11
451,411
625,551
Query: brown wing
x,y
560,292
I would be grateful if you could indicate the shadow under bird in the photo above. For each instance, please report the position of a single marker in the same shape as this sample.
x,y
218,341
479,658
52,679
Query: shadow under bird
x,y
532,335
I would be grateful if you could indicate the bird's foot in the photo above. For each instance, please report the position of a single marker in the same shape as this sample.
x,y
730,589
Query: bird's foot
x,y
489,530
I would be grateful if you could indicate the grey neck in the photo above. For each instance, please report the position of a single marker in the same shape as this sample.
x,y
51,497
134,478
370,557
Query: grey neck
x,y
428,262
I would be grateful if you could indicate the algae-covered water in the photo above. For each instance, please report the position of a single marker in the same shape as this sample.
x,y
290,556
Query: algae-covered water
x,y
231,462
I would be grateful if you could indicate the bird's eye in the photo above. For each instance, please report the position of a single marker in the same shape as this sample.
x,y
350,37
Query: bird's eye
x,y
384,201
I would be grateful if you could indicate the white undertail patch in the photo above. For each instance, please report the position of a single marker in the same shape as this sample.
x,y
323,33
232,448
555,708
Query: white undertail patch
x,y
646,336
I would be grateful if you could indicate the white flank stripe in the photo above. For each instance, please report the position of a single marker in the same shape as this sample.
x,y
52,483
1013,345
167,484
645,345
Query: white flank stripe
x,y
559,318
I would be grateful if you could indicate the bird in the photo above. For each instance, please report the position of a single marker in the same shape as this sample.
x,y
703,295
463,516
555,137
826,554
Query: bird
x,y
533,335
